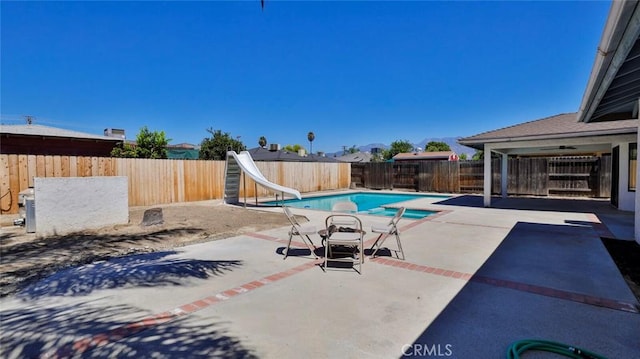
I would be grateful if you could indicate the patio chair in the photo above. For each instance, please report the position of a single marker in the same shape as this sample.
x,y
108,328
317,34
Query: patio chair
x,y
340,222
299,230
387,230
351,239
344,207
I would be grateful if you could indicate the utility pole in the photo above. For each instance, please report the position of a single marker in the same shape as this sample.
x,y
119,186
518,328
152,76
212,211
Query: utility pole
x,y
29,119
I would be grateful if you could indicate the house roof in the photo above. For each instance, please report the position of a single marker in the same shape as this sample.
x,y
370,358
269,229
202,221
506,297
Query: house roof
x,y
355,157
423,155
184,145
559,126
613,88
312,157
46,131
263,154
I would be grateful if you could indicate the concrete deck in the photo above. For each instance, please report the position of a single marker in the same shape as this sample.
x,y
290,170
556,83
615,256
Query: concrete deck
x,y
474,281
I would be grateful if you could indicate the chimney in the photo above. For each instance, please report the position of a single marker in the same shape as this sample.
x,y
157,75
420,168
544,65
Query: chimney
x,y
274,147
114,132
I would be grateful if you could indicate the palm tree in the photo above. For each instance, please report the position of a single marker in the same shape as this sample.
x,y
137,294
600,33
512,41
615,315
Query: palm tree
x,y
311,136
262,141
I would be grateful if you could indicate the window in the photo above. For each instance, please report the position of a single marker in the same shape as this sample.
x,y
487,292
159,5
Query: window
x,y
633,166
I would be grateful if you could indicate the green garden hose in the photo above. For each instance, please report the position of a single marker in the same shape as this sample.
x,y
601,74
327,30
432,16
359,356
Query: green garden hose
x,y
521,346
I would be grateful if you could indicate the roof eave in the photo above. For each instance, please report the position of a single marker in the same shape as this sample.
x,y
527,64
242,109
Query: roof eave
x,y
620,34
620,131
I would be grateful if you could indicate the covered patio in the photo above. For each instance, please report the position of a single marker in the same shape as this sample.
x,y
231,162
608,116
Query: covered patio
x,y
560,135
613,89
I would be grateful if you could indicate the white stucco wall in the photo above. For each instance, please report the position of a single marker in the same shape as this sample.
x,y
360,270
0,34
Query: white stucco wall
x,y
70,204
626,198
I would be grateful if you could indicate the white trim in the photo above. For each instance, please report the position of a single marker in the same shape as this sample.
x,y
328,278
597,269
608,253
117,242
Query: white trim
x,y
605,140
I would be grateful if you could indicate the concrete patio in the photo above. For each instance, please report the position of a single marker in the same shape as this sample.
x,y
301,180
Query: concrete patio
x,y
474,281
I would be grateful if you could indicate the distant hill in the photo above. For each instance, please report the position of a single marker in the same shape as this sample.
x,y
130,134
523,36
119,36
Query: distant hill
x,y
451,141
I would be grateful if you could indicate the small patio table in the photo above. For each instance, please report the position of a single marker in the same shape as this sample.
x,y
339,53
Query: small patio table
x,y
348,239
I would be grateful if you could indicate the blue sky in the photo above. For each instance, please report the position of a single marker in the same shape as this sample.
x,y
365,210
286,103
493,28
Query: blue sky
x,y
353,72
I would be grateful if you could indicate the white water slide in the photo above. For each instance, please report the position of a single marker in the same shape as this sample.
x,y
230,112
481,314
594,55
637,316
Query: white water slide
x,y
243,161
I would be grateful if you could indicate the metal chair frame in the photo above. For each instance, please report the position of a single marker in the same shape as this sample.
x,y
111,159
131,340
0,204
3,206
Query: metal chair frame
x,y
299,230
385,231
353,239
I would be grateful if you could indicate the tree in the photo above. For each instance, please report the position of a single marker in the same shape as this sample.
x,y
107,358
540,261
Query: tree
x,y
463,156
124,150
479,155
354,149
262,141
311,136
216,146
397,147
149,144
293,148
376,157
435,146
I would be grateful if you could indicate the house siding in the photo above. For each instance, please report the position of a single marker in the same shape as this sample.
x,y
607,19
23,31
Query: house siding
x,y
32,145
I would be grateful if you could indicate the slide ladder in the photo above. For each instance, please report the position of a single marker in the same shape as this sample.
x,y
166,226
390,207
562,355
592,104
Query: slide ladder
x,y
242,162
232,181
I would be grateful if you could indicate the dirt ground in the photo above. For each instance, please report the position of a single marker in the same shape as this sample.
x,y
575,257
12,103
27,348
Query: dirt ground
x,y
25,258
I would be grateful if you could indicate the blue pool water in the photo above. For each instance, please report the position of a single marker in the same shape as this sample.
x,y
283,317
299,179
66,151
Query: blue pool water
x,y
370,203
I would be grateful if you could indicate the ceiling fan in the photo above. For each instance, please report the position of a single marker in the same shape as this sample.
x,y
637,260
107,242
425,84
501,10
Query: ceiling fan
x,y
562,147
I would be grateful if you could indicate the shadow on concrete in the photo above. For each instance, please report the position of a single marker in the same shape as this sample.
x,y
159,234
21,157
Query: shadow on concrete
x,y
319,252
70,244
141,270
586,205
619,223
300,252
505,301
306,252
5,236
32,260
34,332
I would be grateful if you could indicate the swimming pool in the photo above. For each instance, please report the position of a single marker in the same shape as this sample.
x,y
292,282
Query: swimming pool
x,y
369,203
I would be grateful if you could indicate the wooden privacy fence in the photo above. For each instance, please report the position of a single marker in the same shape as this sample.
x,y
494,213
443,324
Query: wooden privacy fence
x,y
565,176
154,182
427,176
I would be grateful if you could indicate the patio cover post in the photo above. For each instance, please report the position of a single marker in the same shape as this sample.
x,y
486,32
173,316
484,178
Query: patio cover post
x,y
487,176
636,226
503,175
